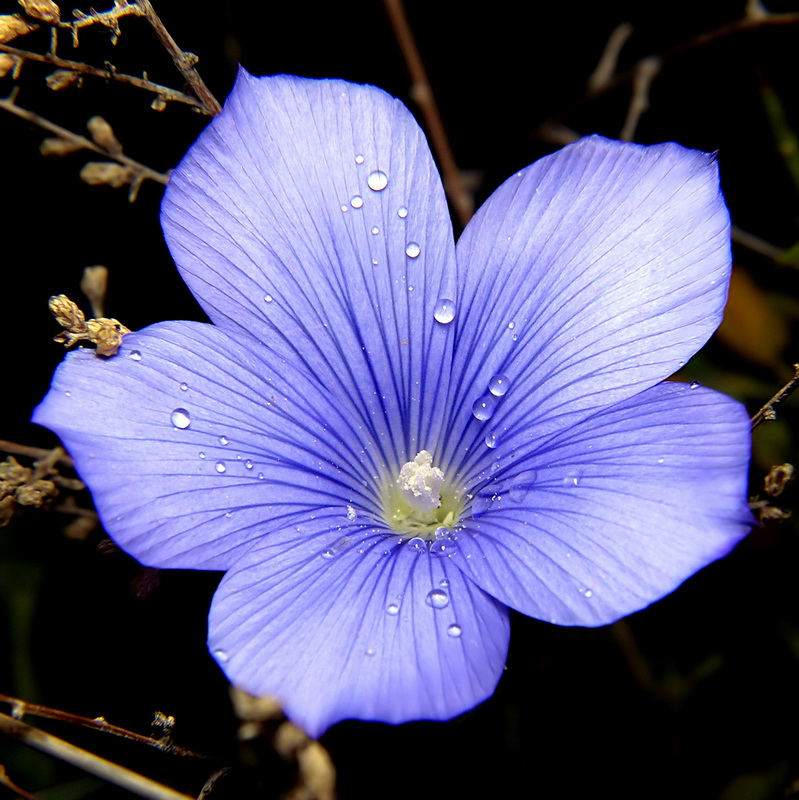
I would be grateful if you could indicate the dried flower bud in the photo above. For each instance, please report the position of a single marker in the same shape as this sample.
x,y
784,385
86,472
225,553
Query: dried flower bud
x,y
67,314
778,477
103,134
773,513
44,10
289,740
8,509
35,493
159,104
80,528
12,473
62,79
107,334
54,148
94,285
13,25
8,64
106,173
317,772
249,708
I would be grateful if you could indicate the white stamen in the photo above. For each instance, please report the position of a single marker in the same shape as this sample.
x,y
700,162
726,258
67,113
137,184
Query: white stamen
x,y
421,482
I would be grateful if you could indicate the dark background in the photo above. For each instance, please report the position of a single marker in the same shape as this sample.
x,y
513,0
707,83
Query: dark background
x,y
696,697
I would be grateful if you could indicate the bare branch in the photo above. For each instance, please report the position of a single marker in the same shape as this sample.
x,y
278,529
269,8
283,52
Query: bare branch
x,y
422,93
645,72
767,412
606,68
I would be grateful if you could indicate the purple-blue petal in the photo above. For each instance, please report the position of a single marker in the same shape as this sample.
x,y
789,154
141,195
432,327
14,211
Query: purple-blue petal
x,y
585,278
343,621
195,444
616,512
310,215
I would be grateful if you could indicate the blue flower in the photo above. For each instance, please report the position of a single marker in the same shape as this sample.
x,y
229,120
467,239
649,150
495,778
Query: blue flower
x,y
387,440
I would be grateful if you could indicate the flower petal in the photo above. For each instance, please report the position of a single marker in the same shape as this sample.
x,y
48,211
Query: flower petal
x,y
342,624
616,512
310,215
586,278
195,443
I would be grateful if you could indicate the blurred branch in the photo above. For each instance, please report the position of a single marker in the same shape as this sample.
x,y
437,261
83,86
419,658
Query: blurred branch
x,y
32,452
422,93
9,784
109,74
20,708
767,412
185,62
606,68
89,762
645,72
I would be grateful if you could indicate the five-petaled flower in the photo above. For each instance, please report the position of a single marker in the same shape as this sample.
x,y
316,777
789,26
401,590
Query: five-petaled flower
x,y
387,440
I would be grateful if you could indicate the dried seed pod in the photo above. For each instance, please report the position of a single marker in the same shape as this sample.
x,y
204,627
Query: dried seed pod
x,y
777,478
44,10
13,25
107,334
67,314
103,134
35,493
159,104
53,148
98,173
62,79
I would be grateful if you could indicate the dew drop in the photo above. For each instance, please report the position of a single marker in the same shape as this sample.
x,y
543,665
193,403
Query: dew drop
x,y
377,181
572,478
375,230
661,460
180,418
135,355
220,467
68,394
184,387
221,655
455,631
589,593
352,515
444,584
248,464
202,455
359,159
418,544
511,326
522,486
437,598
412,250
694,385
442,547
345,209
402,212
328,553
268,298
441,533
370,652
357,201
392,609
444,312
491,440
260,476
499,385
483,407
223,440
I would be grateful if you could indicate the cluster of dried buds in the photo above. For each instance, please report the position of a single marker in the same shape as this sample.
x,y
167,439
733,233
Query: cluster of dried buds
x,y
14,25
105,333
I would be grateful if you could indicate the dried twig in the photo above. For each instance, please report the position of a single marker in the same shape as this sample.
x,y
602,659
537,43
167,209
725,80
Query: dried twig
x,y
140,172
606,68
95,765
164,92
767,412
185,62
645,72
422,94
9,784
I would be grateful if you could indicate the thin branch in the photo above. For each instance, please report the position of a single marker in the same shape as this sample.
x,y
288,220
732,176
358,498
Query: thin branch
x,y
9,784
422,93
748,23
140,171
756,244
164,92
185,62
768,412
95,765
646,71
606,68
31,452
20,708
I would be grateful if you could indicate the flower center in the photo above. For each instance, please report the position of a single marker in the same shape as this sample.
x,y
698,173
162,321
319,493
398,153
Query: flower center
x,y
420,500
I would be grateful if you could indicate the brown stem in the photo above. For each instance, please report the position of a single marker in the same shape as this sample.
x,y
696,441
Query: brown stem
x,y
422,93
183,61
165,92
31,452
767,412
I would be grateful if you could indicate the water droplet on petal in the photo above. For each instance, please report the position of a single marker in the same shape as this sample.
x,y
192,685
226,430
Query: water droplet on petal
x,y
491,440
248,464
184,387
402,212
483,407
180,418
260,476
441,533
328,553
202,455
572,478
412,250
442,547
661,460
223,440
511,325
352,515
589,593
437,598
268,298
418,544
221,656
443,583
359,159
135,355
444,312
220,467
522,486
377,181
370,652
499,385
357,201
375,230
455,631
695,385
392,609
345,209
68,394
